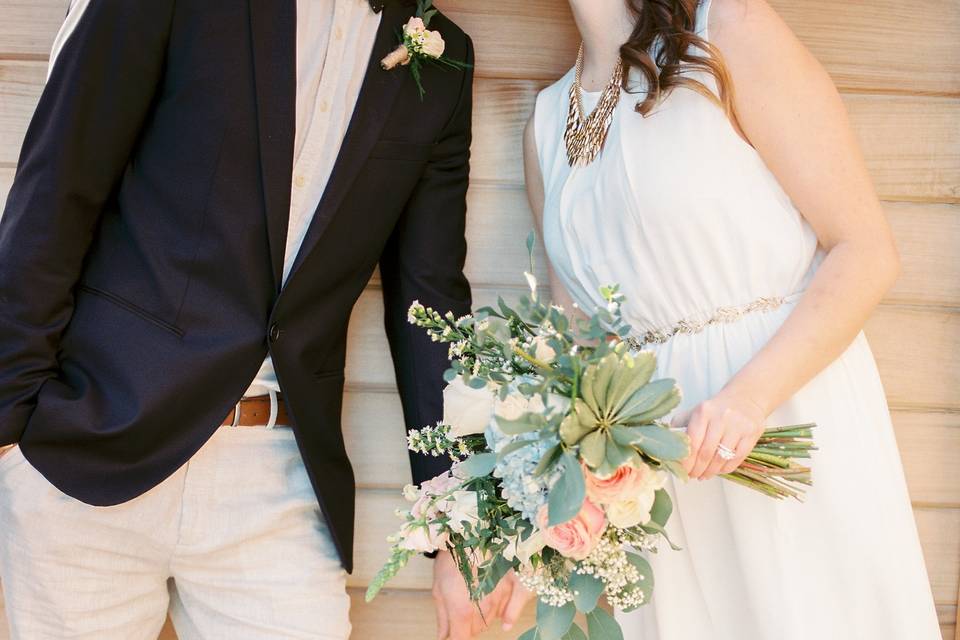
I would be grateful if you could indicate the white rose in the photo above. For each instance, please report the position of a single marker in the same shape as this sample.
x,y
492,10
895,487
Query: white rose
x,y
461,508
465,409
433,44
631,512
543,351
414,26
512,407
525,549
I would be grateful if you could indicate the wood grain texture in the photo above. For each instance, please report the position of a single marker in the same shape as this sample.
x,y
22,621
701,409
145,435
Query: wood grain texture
x,y
912,144
536,39
916,350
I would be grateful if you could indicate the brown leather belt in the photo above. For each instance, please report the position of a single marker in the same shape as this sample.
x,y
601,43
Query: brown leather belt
x,y
255,412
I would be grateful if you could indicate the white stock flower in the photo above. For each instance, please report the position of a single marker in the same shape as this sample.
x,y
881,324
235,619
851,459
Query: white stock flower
x,y
465,409
433,44
411,493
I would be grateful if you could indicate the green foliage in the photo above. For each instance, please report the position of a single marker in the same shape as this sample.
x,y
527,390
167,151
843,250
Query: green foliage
x,y
568,493
554,622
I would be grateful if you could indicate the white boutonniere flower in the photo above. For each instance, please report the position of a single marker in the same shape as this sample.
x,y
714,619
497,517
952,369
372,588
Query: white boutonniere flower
x,y
419,46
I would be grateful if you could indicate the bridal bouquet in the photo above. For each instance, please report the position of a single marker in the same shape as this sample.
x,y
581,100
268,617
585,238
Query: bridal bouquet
x,y
561,454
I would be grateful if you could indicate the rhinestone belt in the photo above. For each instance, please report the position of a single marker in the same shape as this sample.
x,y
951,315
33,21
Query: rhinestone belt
x,y
722,315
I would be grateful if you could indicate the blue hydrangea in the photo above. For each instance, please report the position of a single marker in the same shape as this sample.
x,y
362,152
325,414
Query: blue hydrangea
x,y
522,490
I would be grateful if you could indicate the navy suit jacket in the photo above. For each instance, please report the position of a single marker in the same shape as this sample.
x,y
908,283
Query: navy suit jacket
x,y
142,244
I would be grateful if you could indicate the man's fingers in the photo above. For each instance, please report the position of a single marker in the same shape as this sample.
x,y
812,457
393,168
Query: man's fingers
x,y
443,622
511,613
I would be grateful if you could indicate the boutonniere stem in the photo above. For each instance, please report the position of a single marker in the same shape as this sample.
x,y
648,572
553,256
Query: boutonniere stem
x,y
419,46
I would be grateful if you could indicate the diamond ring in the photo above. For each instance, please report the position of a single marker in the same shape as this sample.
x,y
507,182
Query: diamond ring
x,y
725,453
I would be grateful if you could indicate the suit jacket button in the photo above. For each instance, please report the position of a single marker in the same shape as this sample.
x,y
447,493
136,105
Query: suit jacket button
x,y
274,332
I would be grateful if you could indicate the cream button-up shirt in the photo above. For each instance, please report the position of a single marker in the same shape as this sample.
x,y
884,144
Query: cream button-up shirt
x,y
334,42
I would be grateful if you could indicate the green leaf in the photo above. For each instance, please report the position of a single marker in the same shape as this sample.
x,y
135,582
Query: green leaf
x,y
575,633
547,461
648,401
602,626
617,455
568,492
586,591
634,375
531,634
476,383
644,568
577,424
661,443
593,448
478,465
554,622
524,424
662,507
674,467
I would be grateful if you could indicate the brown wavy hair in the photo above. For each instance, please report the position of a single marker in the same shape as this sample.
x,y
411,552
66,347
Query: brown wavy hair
x,y
672,23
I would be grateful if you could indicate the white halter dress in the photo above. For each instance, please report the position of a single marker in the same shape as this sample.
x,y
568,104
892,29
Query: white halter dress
x,y
687,218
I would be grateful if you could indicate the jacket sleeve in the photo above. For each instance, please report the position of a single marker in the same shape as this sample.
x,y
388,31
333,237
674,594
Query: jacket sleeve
x,y
107,66
424,261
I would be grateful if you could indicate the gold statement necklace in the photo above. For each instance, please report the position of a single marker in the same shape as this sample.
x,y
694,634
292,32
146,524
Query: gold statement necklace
x,y
585,135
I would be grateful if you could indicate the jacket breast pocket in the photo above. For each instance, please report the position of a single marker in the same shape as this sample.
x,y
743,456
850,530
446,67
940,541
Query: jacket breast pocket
x,y
401,151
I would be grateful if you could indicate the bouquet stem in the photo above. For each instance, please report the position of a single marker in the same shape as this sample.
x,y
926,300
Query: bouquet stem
x,y
771,467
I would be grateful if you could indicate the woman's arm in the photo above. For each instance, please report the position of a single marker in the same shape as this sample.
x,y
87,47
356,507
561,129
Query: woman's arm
x,y
534,182
789,110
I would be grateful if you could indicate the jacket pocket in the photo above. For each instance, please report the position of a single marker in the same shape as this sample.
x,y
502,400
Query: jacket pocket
x,y
132,308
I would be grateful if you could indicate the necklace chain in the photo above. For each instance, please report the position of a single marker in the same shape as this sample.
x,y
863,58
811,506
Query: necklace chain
x,y
585,135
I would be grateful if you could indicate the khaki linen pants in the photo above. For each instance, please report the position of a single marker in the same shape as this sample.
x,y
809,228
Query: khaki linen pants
x,y
233,543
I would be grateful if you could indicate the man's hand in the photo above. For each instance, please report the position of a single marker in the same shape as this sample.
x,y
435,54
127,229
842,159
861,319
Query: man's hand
x,y
460,619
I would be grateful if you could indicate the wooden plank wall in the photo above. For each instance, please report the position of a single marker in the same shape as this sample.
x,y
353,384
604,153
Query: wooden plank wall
x,y
898,67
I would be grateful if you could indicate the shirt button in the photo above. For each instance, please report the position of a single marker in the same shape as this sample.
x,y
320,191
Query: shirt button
x,y
299,181
338,33
324,106
274,332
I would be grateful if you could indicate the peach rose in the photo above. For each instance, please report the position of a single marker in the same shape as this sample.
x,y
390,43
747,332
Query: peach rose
x,y
575,538
627,482
433,44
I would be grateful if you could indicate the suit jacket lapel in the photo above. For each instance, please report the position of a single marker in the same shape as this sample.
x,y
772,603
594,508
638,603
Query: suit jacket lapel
x,y
273,24
377,95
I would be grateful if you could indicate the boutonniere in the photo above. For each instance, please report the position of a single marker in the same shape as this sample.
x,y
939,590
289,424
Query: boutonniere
x,y
419,46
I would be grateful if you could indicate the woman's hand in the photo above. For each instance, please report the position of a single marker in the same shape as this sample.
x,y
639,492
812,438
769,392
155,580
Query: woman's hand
x,y
733,421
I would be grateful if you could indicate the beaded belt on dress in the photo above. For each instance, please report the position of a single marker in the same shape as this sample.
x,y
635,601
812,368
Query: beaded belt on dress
x,y
722,315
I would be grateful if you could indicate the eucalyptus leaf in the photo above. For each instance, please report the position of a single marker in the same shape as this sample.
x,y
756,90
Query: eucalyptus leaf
x,y
662,507
575,633
531,634
554,622
524,424
477,465
644,568
602,626
548,460
567,493
661,443
516,445
586,591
